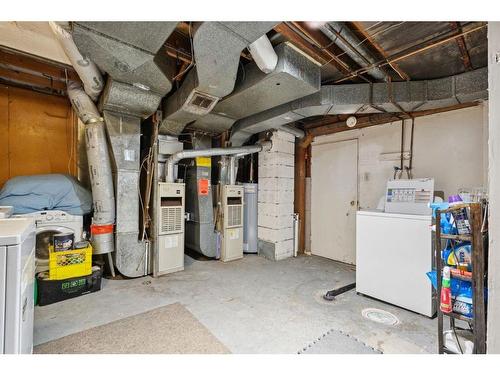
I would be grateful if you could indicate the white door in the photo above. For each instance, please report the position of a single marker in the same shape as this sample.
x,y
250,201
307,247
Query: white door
x,y
334,200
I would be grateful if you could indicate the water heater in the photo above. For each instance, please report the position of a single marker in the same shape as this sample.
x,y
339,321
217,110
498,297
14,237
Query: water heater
x,y
232,229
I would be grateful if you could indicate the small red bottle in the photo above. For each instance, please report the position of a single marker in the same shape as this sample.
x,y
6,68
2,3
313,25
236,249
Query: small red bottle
x,y
446,305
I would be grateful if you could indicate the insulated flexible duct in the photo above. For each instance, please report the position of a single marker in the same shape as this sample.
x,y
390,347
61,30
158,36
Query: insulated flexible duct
x,y
99,169
86,69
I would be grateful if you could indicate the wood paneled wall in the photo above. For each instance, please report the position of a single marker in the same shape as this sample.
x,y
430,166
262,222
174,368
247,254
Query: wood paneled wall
x,y
38,134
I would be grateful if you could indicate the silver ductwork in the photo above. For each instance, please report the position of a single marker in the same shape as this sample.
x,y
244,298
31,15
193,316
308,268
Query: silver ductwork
x,y
130,52
294,76
99,169
85,68
131,255
127,99
343,37
187,154
369,98
217,48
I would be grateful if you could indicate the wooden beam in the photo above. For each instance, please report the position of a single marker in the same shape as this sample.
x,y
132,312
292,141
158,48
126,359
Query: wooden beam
x,y
365,121
375,47
300,192
31,72
10,58
415,50
455,26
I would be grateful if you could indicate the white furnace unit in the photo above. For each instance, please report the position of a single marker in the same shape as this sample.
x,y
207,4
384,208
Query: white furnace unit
x,y
17,278
170,255
232,231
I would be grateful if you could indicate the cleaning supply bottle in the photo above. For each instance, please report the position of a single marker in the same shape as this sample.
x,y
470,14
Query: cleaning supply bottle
x,y
460,217
446,305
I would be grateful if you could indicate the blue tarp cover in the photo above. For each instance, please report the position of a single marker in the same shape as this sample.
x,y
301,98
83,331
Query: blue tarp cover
x,y
46,192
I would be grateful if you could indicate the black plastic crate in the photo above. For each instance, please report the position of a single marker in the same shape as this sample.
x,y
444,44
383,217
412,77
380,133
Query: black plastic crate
x,y
52,291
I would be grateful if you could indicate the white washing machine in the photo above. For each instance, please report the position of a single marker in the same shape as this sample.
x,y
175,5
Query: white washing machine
x,y
49,223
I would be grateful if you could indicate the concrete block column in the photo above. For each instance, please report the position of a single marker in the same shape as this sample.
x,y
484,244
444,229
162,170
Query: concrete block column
x,y
275,207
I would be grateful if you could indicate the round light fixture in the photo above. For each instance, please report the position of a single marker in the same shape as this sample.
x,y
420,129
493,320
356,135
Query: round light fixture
x,y
351,121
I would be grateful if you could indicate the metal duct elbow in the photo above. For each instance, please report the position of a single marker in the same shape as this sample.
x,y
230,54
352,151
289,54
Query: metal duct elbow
x,y
103,196
217,48
185,154
86,69
263,54
368,98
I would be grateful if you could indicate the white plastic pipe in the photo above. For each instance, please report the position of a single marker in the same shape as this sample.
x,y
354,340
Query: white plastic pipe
x,y
263,54
86,69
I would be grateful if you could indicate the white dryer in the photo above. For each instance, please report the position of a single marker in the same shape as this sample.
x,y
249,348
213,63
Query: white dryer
x,y
49,223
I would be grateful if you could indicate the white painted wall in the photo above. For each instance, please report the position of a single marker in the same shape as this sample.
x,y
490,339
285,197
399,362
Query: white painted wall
x,y
448,146
35,38
493,323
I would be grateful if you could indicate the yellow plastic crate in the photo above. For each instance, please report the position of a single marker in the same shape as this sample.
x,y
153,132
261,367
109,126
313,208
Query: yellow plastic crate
x,y
71,263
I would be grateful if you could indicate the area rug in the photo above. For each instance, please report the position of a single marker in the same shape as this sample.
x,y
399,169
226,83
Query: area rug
x,y
170,329
337,342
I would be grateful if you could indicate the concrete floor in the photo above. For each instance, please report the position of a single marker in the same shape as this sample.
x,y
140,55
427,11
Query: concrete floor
x,y
252,306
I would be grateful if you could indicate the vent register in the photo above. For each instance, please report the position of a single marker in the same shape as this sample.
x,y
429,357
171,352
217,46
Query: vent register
x,y
171,216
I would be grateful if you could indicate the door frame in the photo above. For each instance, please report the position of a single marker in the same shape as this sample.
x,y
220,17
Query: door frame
x,y
317,142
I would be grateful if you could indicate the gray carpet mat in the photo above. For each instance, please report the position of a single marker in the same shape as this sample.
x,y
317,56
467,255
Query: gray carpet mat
x,y
170,329
337,342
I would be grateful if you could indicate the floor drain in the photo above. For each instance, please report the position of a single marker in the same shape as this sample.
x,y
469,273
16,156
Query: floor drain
x,y
380,316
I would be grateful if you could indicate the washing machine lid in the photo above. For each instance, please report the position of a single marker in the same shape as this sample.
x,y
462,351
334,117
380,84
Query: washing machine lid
x,y
14,231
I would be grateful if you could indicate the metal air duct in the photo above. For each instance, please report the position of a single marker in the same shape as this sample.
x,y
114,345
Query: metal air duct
x,y
217,48
186,154
369,98
294,76
130,52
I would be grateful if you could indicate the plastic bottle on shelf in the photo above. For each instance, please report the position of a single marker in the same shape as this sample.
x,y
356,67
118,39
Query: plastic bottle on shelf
x,y
460,217
446,305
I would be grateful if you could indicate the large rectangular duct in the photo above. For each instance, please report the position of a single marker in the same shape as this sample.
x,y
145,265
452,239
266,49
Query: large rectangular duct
x,y
124,135
295,76
130,52
217,49
369,98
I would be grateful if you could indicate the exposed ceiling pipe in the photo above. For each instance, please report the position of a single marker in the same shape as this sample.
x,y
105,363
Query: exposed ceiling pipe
x,y
185,154
84,67
368,98
343,37
263,54
217,47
